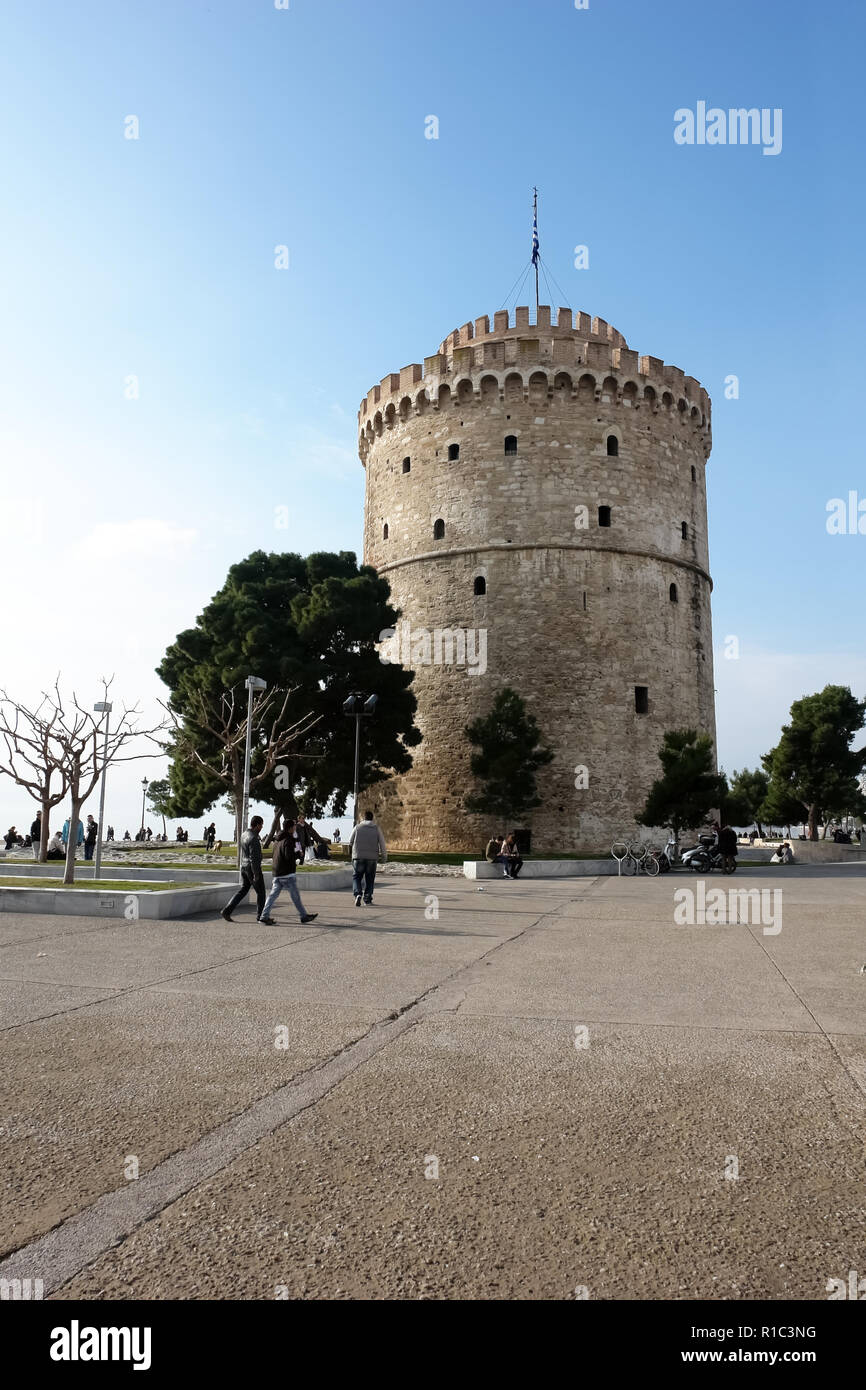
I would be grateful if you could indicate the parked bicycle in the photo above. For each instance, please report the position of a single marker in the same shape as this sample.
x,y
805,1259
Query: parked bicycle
x,y
638,858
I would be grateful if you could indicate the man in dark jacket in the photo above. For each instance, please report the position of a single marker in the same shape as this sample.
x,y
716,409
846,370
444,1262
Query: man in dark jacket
x,y
90,835
251,870
36,834
285,865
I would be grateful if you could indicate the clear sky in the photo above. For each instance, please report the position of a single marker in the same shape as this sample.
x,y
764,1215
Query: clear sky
x,y
154,258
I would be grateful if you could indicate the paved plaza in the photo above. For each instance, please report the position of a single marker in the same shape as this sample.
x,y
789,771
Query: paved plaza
x,y
534,1090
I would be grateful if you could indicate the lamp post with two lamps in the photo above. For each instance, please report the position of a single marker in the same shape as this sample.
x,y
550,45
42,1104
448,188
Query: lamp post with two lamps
x,y
358,707
252,683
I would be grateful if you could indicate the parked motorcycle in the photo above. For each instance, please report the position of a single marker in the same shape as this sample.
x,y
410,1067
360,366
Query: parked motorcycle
x,y
705,856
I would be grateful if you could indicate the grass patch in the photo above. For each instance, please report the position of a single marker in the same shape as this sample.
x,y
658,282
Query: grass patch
x,y
101,885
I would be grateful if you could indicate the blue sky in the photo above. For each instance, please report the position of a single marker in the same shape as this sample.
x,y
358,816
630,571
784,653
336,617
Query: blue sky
x,y
261,127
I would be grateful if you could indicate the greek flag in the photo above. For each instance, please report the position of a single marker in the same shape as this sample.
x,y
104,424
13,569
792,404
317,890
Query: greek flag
x,y
535,239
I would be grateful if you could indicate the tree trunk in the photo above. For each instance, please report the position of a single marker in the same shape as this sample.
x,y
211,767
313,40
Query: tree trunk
x,y
44,832
275,825
813,822
69,875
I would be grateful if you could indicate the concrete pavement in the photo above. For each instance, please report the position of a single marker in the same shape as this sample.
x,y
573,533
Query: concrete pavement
x,y
547,1088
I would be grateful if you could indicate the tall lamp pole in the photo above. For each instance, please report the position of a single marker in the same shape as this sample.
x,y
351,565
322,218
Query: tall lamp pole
x,y
143,795
102,707
252,683
359,707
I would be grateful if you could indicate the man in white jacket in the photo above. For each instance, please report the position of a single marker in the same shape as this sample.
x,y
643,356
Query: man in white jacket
x,y
365,847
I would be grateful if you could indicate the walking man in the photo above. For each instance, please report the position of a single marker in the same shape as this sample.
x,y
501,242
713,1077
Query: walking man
x,y
36,835
365,846
285,863
251,870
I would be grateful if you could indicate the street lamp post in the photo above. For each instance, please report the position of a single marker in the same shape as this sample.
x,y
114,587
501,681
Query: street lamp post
x,y
143,795
102,707
252,683
359,707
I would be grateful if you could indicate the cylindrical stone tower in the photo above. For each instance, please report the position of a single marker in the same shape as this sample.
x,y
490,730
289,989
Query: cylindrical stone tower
x,y
536,498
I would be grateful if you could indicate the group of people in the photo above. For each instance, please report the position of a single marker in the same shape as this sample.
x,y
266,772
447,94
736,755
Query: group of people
x,y
503,849
86,835
294,843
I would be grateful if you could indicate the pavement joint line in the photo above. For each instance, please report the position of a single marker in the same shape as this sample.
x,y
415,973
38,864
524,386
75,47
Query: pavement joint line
x,y
858,1085
77,1241
118,991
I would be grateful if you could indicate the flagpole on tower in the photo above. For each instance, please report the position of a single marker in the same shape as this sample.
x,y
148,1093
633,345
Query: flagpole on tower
x,y
535,244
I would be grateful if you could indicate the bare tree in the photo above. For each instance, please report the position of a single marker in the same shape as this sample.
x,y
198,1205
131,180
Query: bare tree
x,y
33,756
225,723
69,742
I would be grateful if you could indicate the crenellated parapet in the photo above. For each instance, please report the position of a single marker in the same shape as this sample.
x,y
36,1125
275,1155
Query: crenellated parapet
x,y
575,358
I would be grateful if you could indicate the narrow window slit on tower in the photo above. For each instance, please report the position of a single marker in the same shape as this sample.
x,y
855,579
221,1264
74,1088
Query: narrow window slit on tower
x,y
604,516
641,699
672,594
685,530
453,452
385,532
406,465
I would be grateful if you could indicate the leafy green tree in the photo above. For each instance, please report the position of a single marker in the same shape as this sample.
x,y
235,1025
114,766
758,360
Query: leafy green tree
x,y
781,806
508,759
689,787
160,798
813,764
307,626
744,797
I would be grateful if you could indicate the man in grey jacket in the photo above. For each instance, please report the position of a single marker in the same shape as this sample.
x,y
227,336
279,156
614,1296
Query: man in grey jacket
x,y
251,870
365,846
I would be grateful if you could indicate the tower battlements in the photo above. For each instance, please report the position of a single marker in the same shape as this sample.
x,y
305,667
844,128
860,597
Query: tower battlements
x,y
574,355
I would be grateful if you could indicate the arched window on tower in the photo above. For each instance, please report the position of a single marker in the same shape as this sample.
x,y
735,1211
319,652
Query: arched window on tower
x,y
685,530
612,446
480,585
672,594
438,529
453,452
511,444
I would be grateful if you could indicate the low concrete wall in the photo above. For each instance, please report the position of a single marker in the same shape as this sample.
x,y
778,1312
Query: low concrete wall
x,y
806,851
543,868
92,902
161,903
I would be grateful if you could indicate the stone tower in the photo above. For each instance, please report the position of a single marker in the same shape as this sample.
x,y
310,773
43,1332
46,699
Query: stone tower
x,y
535,496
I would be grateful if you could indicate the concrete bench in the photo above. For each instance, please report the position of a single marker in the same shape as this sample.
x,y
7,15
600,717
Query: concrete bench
x,y
543,868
